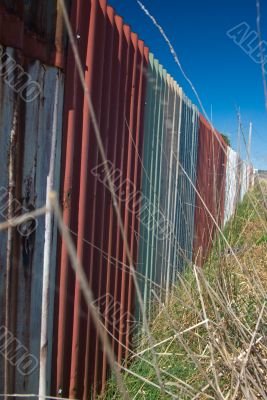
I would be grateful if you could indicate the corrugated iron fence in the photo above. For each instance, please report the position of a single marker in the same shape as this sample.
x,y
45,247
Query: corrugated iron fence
x,y
165,162
115,63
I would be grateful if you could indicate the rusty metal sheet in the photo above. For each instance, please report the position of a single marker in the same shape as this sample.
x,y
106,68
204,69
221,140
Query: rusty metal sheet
x,y
112,154
137,138
25,141
34,27
128,174
115,61
102,196
211,177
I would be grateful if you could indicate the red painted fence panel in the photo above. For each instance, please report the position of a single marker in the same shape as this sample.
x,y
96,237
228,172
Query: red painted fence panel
x,y
115,63
211,175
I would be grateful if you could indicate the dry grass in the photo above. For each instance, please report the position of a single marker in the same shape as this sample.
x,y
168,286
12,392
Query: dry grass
x,y
213,329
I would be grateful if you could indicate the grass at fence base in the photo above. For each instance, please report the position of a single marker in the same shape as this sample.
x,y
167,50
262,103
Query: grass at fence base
x,y
212,356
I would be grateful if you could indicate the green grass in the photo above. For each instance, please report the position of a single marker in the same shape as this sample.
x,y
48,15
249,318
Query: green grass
x,y
262,239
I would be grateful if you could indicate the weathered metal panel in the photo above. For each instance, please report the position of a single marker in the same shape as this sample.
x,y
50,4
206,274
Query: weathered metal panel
x,y
137,136
169,115
186,193
25,142
211,175
128,167
176,153
83,343
166,181
112,155
154,200
150,212
150,146
146,179
154,167
115,61
35,27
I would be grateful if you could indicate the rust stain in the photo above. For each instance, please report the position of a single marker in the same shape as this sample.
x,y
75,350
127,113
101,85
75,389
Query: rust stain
x,y
16,33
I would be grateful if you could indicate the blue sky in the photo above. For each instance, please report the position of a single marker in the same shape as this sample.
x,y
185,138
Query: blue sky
x,y
223,74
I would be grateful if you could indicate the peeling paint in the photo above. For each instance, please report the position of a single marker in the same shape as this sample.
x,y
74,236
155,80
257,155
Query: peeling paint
x,y
24,167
